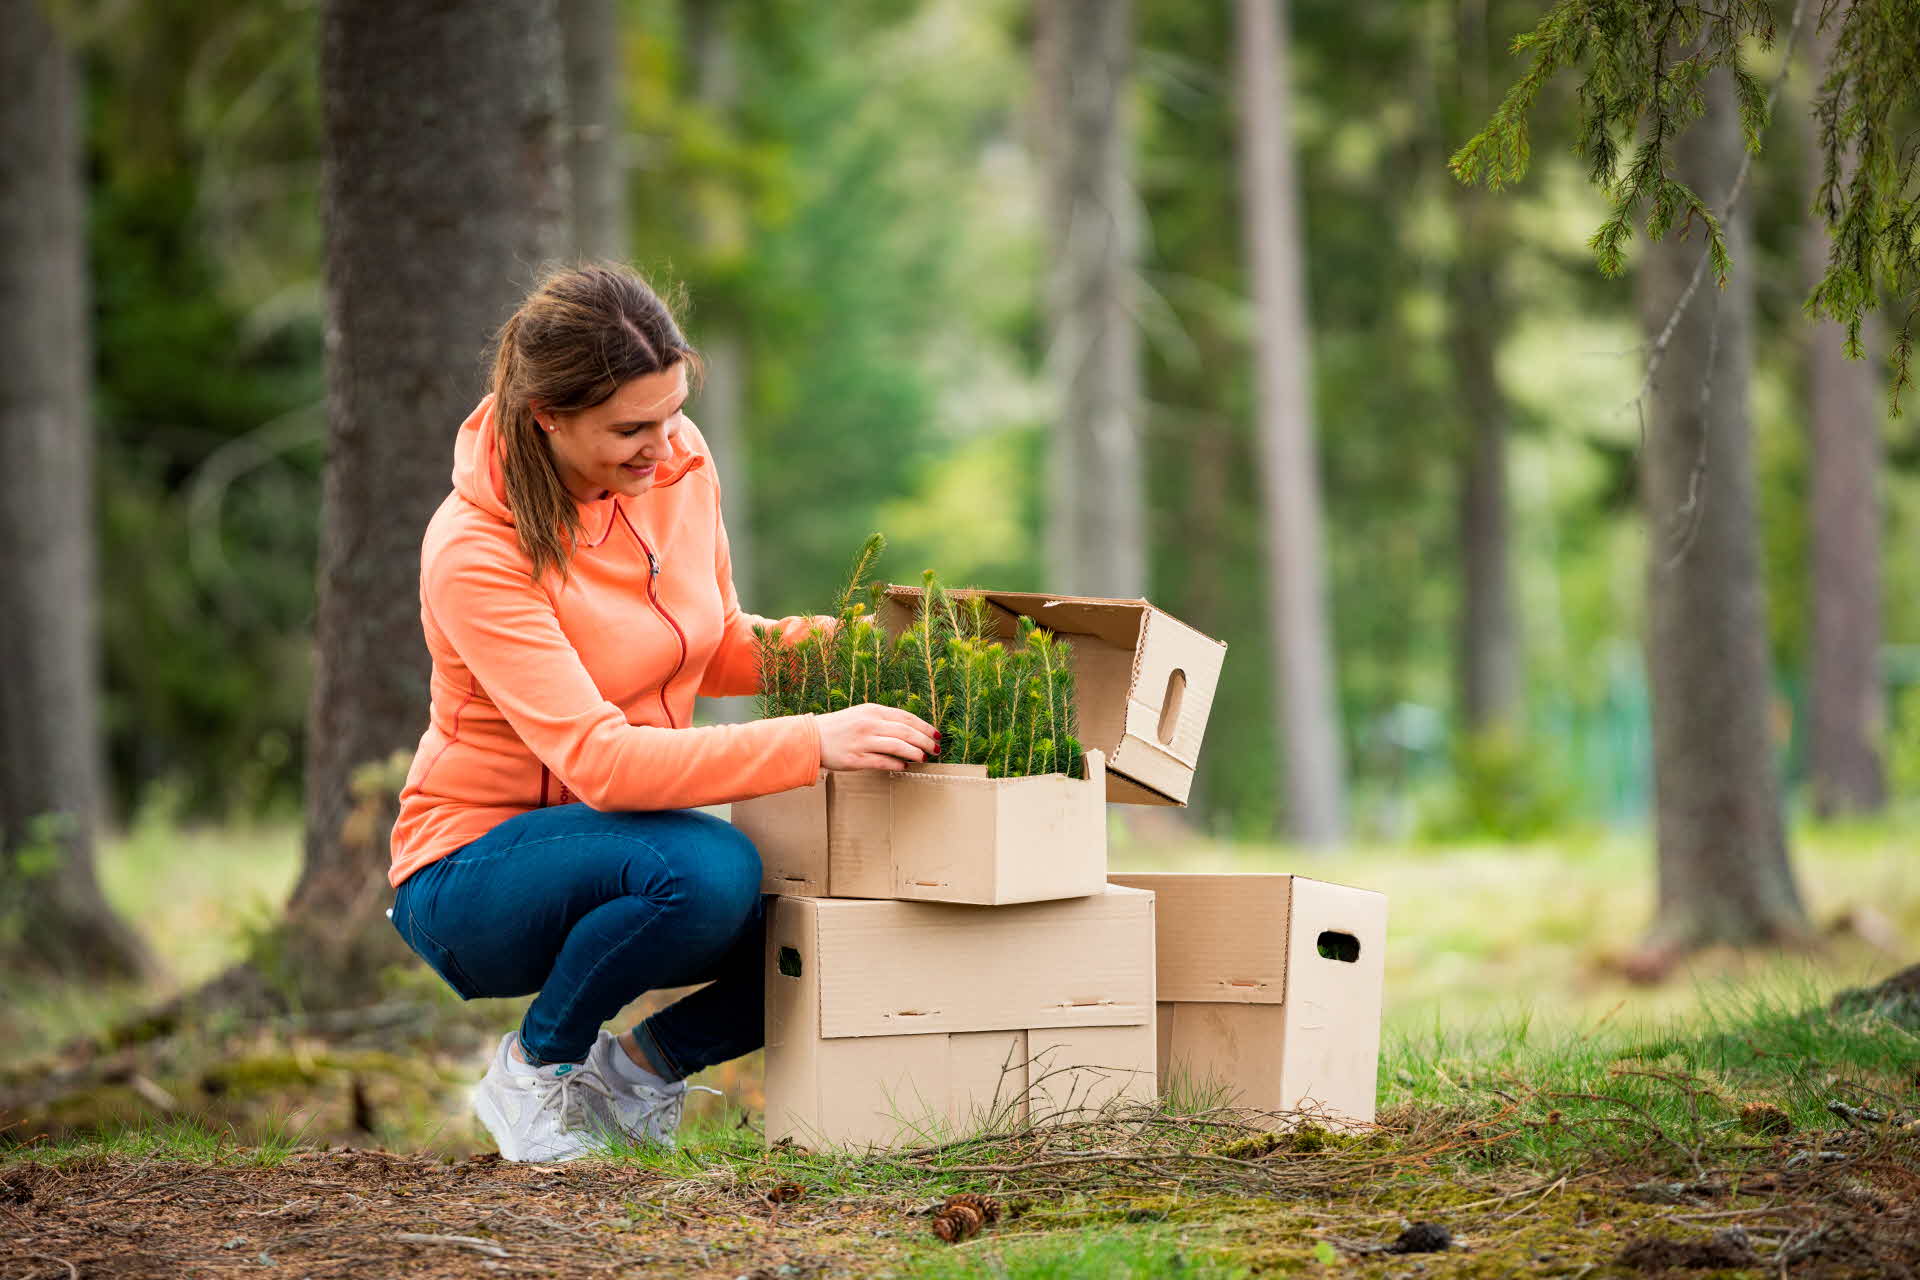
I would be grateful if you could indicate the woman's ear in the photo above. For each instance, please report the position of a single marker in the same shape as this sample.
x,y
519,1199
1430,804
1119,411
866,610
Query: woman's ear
x,y
540,415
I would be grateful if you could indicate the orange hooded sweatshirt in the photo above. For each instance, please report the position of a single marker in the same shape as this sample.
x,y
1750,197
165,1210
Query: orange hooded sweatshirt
x,y
552,691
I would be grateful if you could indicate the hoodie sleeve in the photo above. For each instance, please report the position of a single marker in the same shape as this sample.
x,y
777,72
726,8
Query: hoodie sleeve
x,y
504,629
735,668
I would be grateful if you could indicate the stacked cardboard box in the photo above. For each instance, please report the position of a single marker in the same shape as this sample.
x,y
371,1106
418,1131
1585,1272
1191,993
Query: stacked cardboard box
x,y
1269,990
945,949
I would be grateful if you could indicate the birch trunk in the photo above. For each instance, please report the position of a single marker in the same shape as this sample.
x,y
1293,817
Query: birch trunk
x,y
1096,520
1306,708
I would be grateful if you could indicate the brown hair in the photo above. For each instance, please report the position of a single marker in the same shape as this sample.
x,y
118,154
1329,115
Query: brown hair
x,y
579,335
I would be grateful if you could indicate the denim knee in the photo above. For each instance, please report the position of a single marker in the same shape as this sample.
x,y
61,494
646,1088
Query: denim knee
x,y
716,892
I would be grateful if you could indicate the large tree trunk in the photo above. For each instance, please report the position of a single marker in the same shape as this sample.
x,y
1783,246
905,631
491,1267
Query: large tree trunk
x,y
596,129
1290,470
1724,875
722,405
1488,663
1096,531
444,184
52,915
1843,417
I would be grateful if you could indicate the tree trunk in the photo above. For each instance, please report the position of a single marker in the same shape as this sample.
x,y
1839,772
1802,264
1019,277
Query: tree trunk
x,y
53,918
721,407
1488,663
1843,416
1096,531
1290,475
445,183
596,129
1724,875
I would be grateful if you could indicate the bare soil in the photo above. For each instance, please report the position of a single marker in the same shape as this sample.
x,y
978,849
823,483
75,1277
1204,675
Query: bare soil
x,y
355,1212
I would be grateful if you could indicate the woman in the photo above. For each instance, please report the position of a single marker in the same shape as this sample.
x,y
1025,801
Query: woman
x,y
576,594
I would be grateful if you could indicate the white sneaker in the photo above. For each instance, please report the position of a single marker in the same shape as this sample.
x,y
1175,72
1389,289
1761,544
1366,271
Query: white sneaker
x,y
647,1113
555,1112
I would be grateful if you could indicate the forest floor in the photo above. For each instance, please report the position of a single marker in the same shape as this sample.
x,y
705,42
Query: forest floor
x,y
1551,1117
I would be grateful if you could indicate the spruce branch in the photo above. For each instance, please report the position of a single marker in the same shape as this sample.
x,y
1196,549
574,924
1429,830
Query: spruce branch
x,y
1643,68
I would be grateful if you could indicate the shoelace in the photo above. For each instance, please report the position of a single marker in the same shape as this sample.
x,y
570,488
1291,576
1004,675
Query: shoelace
x,y
665,1117
560,1091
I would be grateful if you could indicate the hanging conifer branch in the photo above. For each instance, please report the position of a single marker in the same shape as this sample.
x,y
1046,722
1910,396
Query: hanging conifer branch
x,y
1644,63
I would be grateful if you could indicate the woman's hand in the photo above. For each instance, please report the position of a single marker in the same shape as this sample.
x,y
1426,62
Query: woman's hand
x,y
871,736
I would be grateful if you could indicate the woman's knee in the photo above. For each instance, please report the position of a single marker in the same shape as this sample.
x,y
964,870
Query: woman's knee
x,y
727,871
703,870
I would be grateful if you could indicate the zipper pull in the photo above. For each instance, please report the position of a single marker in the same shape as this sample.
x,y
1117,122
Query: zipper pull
x,y
653,563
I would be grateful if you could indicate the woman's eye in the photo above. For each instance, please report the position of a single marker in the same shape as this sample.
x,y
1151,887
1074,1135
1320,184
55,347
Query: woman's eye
x,y
629,431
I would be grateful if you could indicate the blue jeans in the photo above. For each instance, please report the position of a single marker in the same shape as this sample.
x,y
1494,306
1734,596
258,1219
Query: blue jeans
x,y
591,910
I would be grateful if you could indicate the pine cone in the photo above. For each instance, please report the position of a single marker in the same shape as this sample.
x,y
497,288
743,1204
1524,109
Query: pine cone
x,y
956,1223
785,1192
987,1207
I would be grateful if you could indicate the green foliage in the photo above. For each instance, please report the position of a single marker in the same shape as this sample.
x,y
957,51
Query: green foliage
x,y
1504,788
1648,64
1645,63
1008,707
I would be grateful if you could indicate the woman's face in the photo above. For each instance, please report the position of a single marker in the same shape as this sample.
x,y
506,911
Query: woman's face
x,y
617,445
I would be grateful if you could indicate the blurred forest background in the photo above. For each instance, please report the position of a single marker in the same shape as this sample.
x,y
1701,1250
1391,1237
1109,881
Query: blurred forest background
x,y
879,212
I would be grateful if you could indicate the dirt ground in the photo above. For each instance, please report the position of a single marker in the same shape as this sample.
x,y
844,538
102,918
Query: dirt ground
x,y
1830,1207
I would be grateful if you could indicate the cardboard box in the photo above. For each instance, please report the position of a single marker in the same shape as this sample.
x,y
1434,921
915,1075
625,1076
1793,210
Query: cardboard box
x,y
934,833
1144,686
892,1023
1271,986
1144,681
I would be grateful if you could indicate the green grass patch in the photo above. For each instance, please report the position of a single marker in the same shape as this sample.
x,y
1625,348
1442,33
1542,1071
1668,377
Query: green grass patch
x,y
185,1139
1123,1253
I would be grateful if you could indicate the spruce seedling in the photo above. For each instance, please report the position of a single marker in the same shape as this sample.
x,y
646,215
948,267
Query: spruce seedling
x,y
1006,706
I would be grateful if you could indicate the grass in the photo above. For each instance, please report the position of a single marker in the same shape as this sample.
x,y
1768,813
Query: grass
x,y
1123,1253
187,1139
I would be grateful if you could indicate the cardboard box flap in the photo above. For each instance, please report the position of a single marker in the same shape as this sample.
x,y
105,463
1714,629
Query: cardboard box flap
x,y
894,968
1144,680
1219,937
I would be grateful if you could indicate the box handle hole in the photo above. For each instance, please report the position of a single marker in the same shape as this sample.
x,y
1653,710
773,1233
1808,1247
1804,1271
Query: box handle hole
x,y
1170,705
789,962
1339,946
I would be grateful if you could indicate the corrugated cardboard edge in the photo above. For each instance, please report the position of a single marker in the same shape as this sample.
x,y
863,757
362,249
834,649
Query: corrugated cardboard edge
x,y
1219,937
789,829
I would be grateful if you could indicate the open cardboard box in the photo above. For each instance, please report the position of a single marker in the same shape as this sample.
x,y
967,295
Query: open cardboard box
x,y
1144,686
1270,986
1144,680
893,1023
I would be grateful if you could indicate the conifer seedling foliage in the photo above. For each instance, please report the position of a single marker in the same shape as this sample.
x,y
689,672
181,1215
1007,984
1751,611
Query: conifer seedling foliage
x,y
1010,708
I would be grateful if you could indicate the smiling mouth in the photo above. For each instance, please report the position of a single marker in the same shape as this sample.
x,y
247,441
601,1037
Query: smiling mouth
x,y
640,470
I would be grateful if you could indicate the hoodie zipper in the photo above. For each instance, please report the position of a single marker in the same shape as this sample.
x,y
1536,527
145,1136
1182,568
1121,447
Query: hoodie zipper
x,y
653,598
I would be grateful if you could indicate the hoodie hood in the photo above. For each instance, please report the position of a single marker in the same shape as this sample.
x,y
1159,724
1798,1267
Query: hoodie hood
x,y
477,477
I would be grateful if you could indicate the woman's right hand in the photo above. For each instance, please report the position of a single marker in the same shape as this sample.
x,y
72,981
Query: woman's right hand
x,y
871,736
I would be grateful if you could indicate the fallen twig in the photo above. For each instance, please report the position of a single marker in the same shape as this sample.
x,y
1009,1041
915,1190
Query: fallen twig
x,y
474,1243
